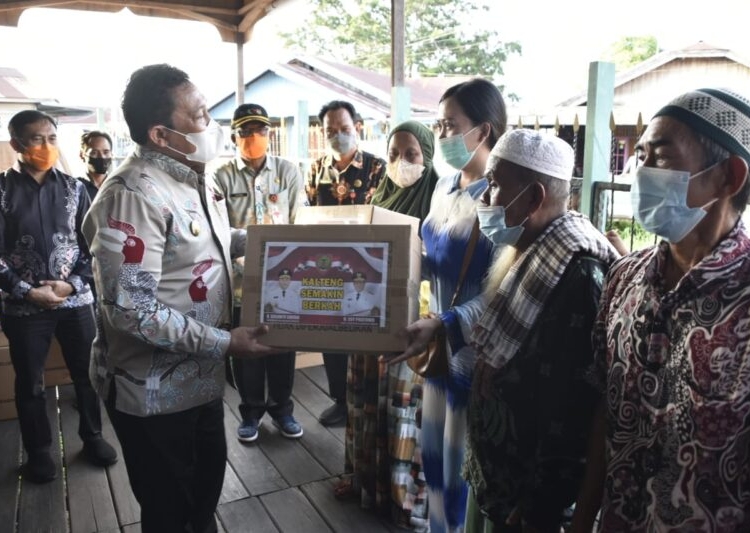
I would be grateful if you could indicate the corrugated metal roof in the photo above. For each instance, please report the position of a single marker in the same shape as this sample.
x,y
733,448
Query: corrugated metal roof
x,y
14,85
697,50
281,86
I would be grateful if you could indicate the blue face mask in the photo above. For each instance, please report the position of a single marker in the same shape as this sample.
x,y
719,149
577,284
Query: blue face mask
x,y
492,223
659,199
454,150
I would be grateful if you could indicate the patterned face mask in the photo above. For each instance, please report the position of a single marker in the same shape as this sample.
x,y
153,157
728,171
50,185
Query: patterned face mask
x,y
403,173
342,143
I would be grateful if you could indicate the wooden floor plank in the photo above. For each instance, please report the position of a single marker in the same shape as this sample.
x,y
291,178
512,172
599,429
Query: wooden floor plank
x,y
250,464
256,469
89,498
233,489
320,441
42,506
127,507
293,513
10,460
311,392
342,516
290,457
246,515
232,401
317,375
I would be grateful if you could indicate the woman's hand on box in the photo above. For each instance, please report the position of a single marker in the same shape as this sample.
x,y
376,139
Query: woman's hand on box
x,y
417,336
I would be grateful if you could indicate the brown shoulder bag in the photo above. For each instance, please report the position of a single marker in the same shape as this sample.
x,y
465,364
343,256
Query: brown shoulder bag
x,y
433,361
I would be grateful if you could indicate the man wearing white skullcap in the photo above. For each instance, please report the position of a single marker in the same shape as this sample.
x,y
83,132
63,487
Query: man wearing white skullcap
x,y
672,342
531,408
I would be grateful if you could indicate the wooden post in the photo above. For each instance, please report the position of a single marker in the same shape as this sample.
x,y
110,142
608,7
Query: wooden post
x,y
302,120
240,45
400,96
596,151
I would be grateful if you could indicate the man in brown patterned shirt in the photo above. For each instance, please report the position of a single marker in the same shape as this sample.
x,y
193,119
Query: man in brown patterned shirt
x,y
346,175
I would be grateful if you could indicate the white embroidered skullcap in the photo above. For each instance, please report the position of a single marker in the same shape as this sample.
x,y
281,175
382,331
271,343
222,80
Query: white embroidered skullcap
x,y
544,153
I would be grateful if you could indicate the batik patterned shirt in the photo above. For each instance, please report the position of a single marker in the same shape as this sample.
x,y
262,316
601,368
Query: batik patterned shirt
x,y
354,185
41,239
161,244
676,364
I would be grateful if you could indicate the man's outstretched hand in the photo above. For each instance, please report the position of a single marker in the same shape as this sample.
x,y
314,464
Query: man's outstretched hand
x,y
244,342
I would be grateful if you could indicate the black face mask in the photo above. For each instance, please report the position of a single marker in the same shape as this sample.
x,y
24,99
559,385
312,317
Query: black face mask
x,y
99,165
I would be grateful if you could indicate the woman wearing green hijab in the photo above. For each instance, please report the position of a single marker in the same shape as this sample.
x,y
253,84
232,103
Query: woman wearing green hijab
x,y
382,437
411,146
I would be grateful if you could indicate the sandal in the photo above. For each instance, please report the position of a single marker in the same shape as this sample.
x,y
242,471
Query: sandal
x,y
344,489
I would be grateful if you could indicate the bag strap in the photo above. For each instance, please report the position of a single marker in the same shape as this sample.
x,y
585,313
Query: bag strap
x,y
467,259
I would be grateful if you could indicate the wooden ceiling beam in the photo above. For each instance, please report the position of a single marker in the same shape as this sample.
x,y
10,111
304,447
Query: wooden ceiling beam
x,y
207,8
233,23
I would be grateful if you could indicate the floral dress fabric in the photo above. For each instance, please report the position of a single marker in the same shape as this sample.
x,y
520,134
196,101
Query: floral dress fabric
x,y
383,439
447,232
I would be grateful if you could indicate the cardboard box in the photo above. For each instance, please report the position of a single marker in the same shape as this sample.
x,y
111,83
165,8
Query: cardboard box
x,y
55,369
8,410
7,382
55,373
354,279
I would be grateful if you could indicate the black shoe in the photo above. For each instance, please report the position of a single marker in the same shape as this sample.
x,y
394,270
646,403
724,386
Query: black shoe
x,y
39,468
334,414
98,452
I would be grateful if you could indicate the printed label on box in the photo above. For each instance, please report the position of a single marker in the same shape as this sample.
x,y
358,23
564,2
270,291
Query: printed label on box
x,y
325,284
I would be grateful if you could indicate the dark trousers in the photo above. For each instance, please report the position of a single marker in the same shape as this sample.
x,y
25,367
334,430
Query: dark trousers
x,y
251,376
175,464
335,365
29,339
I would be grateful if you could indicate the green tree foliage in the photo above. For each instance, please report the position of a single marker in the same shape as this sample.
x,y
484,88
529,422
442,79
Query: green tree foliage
x,y
442,36
629,51
633,234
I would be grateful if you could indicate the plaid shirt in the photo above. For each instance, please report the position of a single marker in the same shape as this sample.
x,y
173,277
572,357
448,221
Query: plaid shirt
x,y
523,293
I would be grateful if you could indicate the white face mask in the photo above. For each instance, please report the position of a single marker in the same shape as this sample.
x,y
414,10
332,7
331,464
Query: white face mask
x,y
208,143
342,143
403,173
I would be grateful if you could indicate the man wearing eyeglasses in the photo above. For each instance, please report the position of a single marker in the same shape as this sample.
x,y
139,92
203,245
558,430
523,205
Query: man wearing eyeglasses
x,y
260,189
